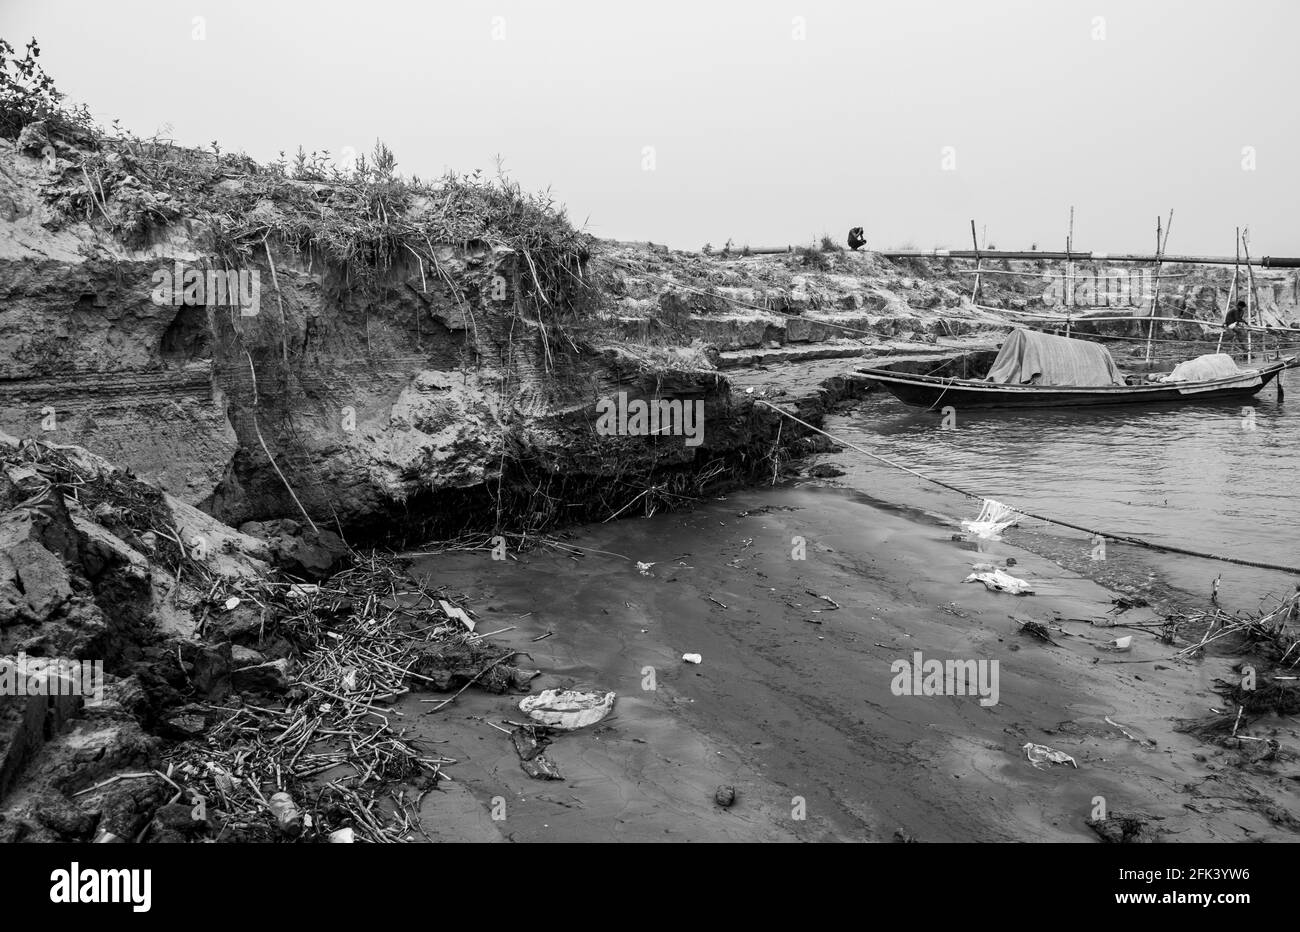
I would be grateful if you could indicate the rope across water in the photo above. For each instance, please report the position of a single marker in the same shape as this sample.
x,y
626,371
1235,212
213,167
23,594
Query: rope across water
x,y
1124,538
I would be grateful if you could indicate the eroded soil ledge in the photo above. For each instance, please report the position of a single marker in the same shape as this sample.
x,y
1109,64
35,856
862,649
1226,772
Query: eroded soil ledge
x,y
422,363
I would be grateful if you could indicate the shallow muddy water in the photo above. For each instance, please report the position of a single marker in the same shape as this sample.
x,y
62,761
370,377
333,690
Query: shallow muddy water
x,y
1192,476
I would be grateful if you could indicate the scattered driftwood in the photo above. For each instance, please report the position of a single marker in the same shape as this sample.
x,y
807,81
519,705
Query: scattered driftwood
x,y
825,598
1036,629
371,635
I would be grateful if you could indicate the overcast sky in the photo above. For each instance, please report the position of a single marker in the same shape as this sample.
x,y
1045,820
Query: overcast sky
x,y
767,122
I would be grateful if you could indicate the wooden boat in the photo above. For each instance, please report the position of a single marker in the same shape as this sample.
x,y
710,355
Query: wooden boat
x,y
926,391
1048,365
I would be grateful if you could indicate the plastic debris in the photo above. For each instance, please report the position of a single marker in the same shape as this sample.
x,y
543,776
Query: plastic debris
x,y
1122,644
302,592
693,658
998,581
567,709
993,519
232,603
644,568
344,836
455,613
541,767
1039,754
286,813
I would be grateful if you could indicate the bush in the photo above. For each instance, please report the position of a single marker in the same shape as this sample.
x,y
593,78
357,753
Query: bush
x,y
28,94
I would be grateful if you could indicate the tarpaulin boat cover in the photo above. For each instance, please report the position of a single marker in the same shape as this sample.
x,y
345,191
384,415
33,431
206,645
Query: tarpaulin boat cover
x,y
1032,358
1204,368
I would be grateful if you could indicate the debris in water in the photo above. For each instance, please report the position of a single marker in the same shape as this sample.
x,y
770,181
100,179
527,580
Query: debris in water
x,y
692,658
1124,602
993,519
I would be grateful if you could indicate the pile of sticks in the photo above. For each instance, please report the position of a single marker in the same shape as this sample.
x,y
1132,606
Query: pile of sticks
x,y
1277,630
337,745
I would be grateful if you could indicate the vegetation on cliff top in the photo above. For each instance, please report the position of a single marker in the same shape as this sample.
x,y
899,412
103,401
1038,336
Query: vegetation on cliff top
x,y
365,217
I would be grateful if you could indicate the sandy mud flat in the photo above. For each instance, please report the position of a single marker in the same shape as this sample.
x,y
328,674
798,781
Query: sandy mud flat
x,y
792,703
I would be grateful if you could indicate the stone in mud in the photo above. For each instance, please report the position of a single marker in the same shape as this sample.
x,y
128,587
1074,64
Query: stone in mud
x,y
725,796
299,550
452,664
191,725
245,657
34,139
34,580
1126,828
266,678
60,815
179,818
33,833
128,805
207,666
11,830
240,623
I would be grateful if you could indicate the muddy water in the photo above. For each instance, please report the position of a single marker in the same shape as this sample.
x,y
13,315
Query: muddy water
x,y
1191,476
793,704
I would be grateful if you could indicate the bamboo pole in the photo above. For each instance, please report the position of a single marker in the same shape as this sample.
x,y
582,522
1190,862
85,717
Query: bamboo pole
x,y
1069,271
1232,294
1236,269
975,290
1155,293
1252,299
1264,262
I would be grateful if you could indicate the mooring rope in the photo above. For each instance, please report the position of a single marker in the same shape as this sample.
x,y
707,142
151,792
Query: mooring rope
x,y
1123,538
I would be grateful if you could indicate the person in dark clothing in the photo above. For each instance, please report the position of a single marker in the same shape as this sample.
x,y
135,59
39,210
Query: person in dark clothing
x,y
1235,323
856,239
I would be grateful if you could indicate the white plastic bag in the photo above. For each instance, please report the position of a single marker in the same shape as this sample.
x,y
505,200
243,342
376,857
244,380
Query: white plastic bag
x,y
993,519
1039,754
567,709
998,581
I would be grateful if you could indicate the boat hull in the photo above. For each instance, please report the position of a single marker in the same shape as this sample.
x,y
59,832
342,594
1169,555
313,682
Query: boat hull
x,y
936,393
